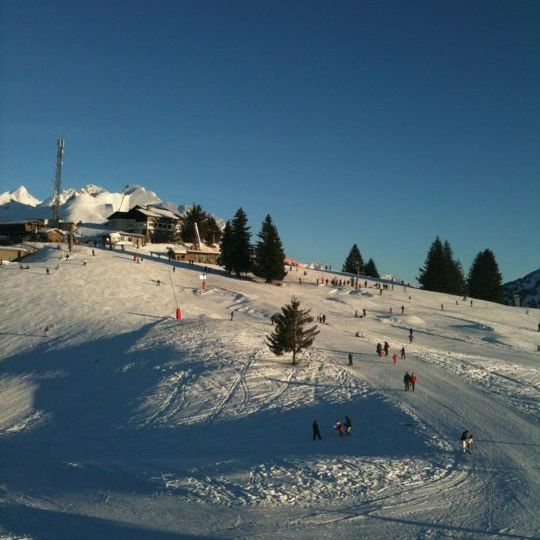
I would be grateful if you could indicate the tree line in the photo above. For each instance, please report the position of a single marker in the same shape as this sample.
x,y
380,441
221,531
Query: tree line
x,y
266,259
442,272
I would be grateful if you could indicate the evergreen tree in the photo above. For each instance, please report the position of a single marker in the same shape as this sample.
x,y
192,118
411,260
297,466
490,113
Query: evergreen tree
x,y
485,280
371,269
354,264
290,335
212,231
269,255
453,281
194,215
226,249
431,274
241,243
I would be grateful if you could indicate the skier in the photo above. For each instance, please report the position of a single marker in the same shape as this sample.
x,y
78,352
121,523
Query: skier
x,y
350,359
386,347
356,314
364,314
410,335
466,441
323,318
340,428
394,358
403,353
158,282
316,432
413,381
348,425
232,315
407,380
402,309
379,349
48,271
46,331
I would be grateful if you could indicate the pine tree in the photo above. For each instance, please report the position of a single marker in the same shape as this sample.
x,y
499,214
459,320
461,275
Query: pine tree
x,y
269,255
241,243
212,231
354,264
194,215
485,280
453,281
431,274
371,269
226,250
290,335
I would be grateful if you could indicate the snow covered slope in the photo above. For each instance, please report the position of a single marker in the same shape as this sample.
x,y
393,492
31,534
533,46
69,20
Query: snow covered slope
x,y
122,422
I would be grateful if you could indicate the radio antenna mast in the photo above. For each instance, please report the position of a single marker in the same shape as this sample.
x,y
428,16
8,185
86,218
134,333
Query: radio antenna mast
x,y
58,178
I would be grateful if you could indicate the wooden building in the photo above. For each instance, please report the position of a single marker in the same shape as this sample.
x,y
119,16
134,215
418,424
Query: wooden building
x,y
154,223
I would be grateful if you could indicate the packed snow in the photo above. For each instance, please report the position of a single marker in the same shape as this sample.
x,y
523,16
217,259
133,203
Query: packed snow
x,y
119,421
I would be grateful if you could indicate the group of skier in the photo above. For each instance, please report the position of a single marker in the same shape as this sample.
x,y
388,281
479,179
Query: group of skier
x,y
409,380
343,428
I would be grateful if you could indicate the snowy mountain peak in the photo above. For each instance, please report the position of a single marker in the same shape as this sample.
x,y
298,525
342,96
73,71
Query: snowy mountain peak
x,y
20,195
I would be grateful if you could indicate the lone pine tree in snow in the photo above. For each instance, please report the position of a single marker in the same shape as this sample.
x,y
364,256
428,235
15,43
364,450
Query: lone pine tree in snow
x,y
371,269
269,255
290,334
354,264
485,280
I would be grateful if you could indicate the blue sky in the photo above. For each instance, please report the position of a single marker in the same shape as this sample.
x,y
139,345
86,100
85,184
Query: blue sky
x,y
379,123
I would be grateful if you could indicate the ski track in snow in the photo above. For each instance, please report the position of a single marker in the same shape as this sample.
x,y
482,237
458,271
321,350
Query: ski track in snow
x,y
208,423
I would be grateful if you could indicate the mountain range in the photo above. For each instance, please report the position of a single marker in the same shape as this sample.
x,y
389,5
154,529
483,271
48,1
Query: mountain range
x,y
90,204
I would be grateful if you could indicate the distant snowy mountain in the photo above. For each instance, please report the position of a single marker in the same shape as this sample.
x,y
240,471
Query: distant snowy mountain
x,y
528,288
90,205
19,195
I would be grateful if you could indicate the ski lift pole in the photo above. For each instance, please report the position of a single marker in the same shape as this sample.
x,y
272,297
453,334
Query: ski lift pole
x,y
178,312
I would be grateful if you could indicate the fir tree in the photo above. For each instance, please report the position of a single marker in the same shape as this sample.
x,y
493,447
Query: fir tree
x,y
371,269
269,256
241,243
226,249
485,280
431,274
354,264
212,231
194,215
290,335
453,281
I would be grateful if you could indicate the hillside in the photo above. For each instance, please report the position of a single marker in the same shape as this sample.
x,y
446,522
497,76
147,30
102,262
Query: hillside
x,y
122,422
528,288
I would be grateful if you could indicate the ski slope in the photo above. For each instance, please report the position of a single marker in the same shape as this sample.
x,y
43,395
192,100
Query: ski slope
x,y
122,422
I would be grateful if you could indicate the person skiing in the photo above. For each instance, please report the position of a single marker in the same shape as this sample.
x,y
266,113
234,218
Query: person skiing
x,y
403,353
379,349
410,335
386,348
466,441
316,432
394,358
348,425
350,359
340,428
232,315
413,381
402,309
407,380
